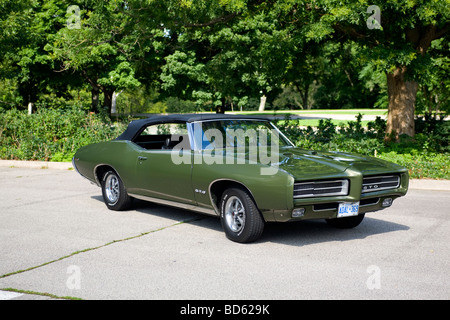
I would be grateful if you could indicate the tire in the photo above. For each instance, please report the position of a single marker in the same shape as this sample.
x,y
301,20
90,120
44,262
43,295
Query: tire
x,y
347,222
240,218
114,194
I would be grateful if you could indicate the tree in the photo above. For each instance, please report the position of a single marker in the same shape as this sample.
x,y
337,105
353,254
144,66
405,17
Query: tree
x,y
396,36
24,32
94,44
434,91
227,52
201,69
57,45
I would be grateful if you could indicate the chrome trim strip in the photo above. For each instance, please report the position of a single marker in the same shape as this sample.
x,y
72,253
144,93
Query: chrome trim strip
x,y
231,119
378,184
282,134
184,206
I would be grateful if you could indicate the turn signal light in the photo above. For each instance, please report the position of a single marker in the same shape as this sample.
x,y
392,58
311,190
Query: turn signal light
x,y
298,212
387,202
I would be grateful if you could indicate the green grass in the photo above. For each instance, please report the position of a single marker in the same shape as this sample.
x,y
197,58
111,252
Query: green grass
x,y
380,112
336,122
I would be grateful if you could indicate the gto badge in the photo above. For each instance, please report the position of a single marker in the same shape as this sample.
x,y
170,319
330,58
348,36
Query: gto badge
x,y
200,191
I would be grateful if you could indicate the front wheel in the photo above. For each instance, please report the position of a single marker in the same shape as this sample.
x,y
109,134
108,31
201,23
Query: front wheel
x,y
240,218
114,193
347,222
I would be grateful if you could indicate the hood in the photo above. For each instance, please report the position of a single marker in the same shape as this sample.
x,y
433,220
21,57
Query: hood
x,y
304,164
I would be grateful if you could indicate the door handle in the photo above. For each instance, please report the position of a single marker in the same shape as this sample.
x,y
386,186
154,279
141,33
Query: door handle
x,y
140,158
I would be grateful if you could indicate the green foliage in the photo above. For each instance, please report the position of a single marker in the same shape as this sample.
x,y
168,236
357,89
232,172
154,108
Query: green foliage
x,y
426,156
51,135
175,105
55,135
221,52
422,165
434,93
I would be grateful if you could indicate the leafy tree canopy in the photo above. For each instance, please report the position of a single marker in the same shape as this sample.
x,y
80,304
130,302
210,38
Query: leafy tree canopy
x,y
231,52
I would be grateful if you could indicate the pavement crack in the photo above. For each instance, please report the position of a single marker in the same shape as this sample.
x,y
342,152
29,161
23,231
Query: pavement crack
x,y
99,247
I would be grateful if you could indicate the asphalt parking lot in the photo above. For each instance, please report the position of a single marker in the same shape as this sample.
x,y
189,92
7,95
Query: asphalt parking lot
x,y
58,240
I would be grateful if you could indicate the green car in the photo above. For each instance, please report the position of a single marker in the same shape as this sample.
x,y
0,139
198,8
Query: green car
x,y
240,168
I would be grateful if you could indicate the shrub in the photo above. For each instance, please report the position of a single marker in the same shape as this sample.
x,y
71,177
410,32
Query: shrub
x,y
51,135
421,165
426,156
55,135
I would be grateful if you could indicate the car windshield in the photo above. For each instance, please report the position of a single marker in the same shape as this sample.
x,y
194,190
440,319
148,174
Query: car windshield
x,y
238,134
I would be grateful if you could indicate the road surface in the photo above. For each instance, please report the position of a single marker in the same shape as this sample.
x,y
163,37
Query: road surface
x,y
58,239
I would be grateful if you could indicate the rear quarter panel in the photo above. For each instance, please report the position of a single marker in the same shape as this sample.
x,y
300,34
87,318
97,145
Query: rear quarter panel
x,y
120,155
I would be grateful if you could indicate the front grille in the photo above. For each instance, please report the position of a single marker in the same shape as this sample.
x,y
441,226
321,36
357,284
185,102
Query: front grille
x,y
321,188
376,183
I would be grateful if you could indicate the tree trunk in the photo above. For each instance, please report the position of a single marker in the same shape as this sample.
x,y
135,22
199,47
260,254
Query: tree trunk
x,y
114,102
402,98
95,99
107,101
30,107
304,94
305,98
262,103
402,94
221,108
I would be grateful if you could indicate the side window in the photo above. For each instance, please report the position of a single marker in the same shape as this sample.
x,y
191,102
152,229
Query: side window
x,y
163,136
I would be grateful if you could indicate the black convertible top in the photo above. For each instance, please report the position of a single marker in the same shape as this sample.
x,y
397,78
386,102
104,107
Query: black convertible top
x,y
135,127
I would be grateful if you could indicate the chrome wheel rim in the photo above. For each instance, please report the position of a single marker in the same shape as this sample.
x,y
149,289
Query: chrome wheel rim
x,y
234,214
112,189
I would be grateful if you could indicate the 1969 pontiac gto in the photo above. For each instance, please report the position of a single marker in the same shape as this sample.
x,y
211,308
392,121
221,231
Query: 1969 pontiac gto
x,y
240,168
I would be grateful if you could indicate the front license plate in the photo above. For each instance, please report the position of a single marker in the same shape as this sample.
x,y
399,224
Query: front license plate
x,y
348,209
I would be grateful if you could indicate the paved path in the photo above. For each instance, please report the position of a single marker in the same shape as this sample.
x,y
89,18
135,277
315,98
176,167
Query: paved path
x,y
58,239
365,117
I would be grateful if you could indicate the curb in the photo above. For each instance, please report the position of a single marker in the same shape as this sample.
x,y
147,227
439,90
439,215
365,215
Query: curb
x,y
420,184
36,164
429,184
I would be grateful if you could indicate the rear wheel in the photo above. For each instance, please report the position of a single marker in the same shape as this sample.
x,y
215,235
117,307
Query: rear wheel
x,y
241,219
114,193
347,222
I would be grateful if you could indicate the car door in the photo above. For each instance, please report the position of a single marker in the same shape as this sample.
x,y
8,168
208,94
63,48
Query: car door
x,y
163,168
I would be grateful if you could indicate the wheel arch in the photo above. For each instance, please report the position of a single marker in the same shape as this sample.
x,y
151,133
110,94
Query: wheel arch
x,y
218,187
100,170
